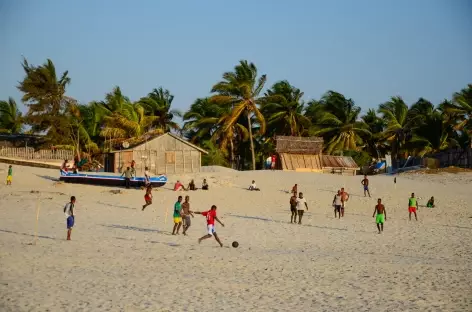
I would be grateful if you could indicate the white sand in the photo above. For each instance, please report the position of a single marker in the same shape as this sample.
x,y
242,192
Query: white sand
x,y
122,259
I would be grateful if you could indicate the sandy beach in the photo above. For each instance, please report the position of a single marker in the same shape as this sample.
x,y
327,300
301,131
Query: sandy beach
x,y
123,259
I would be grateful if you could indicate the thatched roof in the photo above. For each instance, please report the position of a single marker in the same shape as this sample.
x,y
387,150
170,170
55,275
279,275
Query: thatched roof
x,y
330,161
299,145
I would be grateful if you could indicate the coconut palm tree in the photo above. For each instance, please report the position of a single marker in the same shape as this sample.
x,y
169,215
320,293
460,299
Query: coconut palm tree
x,y
461,107
240,90
158,103
375,141
401,122
283,108
11,120
338,124
44,95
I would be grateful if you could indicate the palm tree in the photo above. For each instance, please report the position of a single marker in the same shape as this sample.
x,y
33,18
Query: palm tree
x,y
283,109
11,120
44,95
461,107
401,122
240,90
158,103
374,141
338,124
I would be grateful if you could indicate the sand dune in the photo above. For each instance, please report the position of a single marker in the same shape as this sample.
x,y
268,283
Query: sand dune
x,y
123,259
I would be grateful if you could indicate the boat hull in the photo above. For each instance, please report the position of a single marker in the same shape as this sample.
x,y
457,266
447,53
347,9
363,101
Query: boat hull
x,y
82,178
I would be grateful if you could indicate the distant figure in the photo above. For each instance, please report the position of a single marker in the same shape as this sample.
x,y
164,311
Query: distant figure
x,y
344,198
412,206
295,190
205,185
301,203
179,186
64,167
191,186
177,216
365,183
133,169
337,204
69,212
381,215
293,208
430,203
274,160
10,175
253,186
211,217
148,197
128,175
186,213
147,177
268,162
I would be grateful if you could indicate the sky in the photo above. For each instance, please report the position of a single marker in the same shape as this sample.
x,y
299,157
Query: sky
x,y
369,50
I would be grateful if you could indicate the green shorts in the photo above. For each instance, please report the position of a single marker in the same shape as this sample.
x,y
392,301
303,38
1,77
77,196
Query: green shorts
x,y
380,219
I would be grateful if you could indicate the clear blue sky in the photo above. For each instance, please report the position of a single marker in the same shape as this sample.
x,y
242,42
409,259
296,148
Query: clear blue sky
x,y
367,50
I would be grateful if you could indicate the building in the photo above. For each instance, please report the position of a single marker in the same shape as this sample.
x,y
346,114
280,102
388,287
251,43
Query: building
x,y
163,154
306,154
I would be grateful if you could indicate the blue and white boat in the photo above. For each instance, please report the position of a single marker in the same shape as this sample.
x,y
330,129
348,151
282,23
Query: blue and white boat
x,y
109,180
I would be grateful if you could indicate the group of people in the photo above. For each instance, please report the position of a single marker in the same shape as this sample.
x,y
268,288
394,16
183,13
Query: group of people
x,y
178,186
270,162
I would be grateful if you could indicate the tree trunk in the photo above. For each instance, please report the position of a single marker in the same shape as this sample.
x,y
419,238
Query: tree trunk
x,y
231,153
248,114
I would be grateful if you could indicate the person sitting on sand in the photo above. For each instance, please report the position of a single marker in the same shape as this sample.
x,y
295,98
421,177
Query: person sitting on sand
x,y
295,190
253,186
430,203
205,185
148,197
191,186
179,186
381,215
64,167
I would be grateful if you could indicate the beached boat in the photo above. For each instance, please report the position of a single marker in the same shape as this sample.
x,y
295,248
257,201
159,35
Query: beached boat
x,y
109,180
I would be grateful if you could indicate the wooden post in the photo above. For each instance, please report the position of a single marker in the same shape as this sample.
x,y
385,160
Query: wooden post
x,y
199,161
191,157
175,161
183,159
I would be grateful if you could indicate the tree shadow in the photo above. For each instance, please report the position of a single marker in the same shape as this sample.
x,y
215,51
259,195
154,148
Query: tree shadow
x,y
26,234
117,206
46,177
134,228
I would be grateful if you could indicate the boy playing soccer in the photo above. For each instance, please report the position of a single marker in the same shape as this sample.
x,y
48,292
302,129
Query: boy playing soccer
x,y
211,217
381,215
69,212
148,197
10,175
177,216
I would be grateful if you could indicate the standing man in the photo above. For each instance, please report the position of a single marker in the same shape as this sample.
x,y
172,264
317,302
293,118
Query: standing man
x,y
274,160
211,217
147,177
337,203
70,219
344,199
293,208
412,205
381,215
268,162
301,203
177,216
133,169
186,213
365,183
128,175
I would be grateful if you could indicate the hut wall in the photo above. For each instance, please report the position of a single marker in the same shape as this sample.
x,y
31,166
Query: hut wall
x,y
167,155
300,162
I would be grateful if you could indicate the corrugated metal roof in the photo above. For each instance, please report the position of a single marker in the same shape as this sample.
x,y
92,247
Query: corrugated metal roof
x,y
339,162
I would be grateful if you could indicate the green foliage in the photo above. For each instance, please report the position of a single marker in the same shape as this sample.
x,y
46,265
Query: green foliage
x,y
215,156
11,119
362,158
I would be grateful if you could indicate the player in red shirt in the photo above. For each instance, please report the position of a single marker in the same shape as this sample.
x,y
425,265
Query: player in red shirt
x,y
211,217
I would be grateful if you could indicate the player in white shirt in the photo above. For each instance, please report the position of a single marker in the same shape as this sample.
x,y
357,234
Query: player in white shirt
x,y
301,204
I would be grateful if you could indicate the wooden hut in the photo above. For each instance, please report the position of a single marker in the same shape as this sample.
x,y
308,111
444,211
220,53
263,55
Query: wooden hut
x,y
164,154
306,154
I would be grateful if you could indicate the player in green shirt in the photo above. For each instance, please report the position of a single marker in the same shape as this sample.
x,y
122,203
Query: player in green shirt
x,y
10,175
177,216
412,205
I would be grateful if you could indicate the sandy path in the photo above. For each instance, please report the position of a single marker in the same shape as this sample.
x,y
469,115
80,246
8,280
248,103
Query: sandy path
x,y
122,259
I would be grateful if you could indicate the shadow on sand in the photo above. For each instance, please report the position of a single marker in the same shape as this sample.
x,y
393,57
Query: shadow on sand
x,y
47,177
26,234
115,206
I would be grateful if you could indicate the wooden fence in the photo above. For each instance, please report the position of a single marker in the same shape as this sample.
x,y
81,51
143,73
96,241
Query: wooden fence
x,y
30,153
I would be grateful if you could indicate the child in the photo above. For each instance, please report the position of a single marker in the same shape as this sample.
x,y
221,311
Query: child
x,y
147,197
69,212
177,216
430,203
10,175
253,186
211,217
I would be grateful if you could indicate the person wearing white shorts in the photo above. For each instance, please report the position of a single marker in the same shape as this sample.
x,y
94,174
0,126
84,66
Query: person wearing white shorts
x,y
211,217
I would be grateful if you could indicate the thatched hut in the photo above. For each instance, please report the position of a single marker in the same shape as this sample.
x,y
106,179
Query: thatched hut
x,y
306,154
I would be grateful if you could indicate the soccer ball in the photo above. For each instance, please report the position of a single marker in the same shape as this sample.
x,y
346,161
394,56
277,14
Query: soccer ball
x,y
235,244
